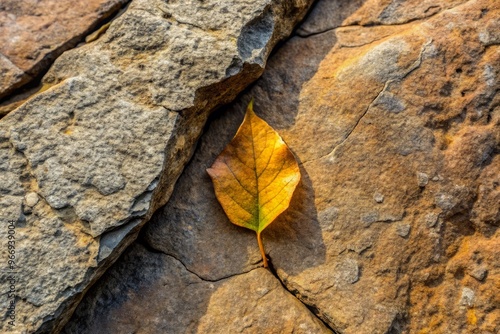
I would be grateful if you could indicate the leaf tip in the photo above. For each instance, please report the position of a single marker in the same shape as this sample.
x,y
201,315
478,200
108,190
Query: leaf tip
x,y
250,105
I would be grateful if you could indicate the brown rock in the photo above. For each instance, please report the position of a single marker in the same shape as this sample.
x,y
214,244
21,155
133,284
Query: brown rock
x,y
34,33
376,115
158,295
11,77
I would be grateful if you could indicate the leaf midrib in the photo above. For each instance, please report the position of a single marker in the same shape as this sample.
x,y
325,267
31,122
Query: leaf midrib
x,y
257,197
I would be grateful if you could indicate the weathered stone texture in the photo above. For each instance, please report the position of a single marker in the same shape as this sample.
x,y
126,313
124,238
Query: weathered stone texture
x,y
34,33
103,145
394,227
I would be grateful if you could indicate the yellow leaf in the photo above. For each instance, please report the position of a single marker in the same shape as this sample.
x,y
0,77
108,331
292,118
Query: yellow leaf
x,y
255,176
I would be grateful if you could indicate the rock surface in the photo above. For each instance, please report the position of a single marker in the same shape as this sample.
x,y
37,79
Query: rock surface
x,y
392,109
34,33
86,162
178,301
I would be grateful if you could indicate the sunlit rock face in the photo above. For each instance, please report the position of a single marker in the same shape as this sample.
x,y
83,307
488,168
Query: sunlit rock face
x,y
87,161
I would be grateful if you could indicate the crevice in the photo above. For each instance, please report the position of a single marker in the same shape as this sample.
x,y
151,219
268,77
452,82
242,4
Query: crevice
x,y
188,24
101,28
173,20
315,33
152,249
491,44
416,64
432,7
388,82
352,129
363,115
312,308
361,45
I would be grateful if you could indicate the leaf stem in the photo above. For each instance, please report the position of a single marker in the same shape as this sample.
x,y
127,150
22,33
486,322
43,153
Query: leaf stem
x,y
262,251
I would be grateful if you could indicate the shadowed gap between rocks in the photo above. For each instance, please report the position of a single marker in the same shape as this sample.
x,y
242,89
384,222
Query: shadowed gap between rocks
x,y
147,285
314,310
193,228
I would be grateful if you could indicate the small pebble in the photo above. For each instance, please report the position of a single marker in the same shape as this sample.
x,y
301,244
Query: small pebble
x,y
347,271
467,298
479,273
431,219
378,197
403,230
369,218
445,201
437,178
422,179
31,199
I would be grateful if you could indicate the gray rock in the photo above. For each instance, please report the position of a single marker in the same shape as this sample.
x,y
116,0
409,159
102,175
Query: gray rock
x,y
104,145
378,197
346,271
468,297
479,273
328,217
403,230
31,199
370,218
431,219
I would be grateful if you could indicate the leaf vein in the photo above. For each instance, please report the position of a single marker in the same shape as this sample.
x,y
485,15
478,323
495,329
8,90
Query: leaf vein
x,y
265,146
279,192
275,176
238,180
268,161
276,207
238,204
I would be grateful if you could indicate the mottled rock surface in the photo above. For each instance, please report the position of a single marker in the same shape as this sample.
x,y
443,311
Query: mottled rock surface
x,y
393,111
33,33
86,162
